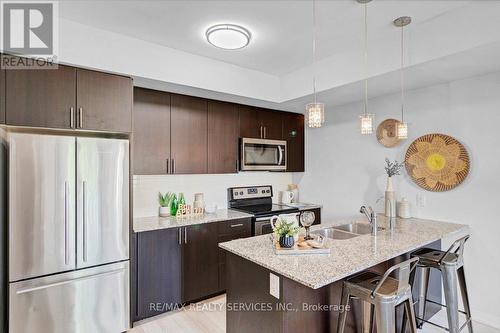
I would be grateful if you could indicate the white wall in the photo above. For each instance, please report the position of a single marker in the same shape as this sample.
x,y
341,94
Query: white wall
x,y
346,170
214,187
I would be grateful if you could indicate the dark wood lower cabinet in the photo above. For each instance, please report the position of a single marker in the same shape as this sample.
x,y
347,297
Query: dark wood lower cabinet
x,y
200,258
2,93
158,272
180,265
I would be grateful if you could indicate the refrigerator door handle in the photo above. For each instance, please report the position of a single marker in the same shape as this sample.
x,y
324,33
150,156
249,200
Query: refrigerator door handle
x,y
84,218
55,284
66,222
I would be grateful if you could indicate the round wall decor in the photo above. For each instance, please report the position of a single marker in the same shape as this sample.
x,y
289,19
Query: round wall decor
x,y
386,133
437,162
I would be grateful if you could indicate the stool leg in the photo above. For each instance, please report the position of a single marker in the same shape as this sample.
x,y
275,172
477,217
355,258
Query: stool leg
x,y
422,294
465,295
343,314
451,296
410,315
411,281
385,317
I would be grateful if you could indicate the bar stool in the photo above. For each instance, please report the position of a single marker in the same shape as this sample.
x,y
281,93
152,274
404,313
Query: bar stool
x,y
451,265
384,293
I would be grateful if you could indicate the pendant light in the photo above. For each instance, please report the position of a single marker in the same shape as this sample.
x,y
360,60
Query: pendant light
x,y
366,120
402,127
315,110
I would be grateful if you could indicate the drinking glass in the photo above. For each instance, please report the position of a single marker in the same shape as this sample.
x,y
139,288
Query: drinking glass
x,y
307,219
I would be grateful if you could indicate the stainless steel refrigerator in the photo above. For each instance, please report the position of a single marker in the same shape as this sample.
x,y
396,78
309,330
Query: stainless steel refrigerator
x,y
68,237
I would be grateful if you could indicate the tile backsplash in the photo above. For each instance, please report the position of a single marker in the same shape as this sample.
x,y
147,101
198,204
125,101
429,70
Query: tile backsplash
x,y
214,187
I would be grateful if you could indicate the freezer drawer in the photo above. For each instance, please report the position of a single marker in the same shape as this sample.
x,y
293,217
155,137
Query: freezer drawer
x,y
41,205
89,300
102,201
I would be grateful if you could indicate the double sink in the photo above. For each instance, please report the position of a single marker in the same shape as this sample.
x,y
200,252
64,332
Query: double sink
x,y
345,231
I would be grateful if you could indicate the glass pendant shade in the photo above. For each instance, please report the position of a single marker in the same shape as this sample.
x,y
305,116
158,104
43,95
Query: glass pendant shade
x,y
366,123
315,114
402,131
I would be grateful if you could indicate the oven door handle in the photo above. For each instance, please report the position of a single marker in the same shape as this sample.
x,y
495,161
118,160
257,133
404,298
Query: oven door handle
x,y
258,219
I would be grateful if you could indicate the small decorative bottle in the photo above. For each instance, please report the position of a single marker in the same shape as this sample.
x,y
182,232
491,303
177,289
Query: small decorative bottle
x,y
173,205
182,200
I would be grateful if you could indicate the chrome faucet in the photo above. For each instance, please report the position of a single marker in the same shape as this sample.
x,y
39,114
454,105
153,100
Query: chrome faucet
x,y
372,218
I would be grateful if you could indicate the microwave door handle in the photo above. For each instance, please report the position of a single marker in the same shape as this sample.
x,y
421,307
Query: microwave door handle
x,y
281,155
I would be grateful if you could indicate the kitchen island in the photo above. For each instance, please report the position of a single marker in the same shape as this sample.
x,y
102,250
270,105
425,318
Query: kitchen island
x,y
297,293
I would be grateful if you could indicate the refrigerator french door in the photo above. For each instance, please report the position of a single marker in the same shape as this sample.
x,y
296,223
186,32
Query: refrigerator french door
x,y
68,234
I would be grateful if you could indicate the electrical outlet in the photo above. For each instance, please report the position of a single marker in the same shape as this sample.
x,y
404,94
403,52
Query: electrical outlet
x,y
274,285
421,200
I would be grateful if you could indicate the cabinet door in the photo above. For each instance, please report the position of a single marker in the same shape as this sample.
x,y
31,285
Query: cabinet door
x,y
188,134
151,133
2,93
41,97
200,262
250,123
293,133
104,101
272,121
223,134
158,271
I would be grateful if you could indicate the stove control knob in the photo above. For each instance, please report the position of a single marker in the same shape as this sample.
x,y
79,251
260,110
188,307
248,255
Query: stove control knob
x,y
235,193
263,191
268,191
241,192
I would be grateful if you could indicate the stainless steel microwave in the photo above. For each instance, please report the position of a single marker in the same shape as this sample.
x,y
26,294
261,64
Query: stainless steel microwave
x,y
262,155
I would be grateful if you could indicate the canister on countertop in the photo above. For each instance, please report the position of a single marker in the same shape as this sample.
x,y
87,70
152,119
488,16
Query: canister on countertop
x,y
404,208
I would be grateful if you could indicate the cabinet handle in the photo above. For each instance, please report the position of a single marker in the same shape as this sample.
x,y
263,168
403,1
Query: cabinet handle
x,y
180,236
173,166
237,165
84,218
167,166
261,136
66,223
185,236
72,117
265,132
80,117
236,225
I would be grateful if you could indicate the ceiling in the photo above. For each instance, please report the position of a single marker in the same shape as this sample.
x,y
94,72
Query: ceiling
x,y
282,30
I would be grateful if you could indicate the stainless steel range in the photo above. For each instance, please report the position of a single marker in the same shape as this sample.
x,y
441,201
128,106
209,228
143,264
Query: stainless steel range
x,y
257,200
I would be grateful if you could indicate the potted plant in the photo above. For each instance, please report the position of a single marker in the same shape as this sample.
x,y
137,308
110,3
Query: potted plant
x,y
285,232
164,200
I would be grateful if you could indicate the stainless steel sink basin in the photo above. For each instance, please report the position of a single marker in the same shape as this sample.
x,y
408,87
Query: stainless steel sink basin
x,y
356,228
333,233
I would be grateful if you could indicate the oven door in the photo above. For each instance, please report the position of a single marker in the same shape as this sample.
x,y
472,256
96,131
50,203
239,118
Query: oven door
x,y
262,154
262,226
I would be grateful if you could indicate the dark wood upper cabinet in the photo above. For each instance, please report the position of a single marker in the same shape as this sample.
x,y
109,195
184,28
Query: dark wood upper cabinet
x,y
188,134
151,132
41,97
159,271
272,122
200,262
293,133
2,92
260,123
104,101
250,123
223,134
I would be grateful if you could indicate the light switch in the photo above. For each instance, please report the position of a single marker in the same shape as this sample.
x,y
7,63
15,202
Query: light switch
x,y
274,285
421,201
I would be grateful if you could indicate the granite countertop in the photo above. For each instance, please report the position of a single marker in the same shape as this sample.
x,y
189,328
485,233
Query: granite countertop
x,y
348,256
155,222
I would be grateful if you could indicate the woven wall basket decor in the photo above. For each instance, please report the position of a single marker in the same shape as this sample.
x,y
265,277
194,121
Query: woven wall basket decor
x,y
437,162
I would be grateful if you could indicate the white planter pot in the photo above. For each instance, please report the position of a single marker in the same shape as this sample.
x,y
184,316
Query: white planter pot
x,y
164,211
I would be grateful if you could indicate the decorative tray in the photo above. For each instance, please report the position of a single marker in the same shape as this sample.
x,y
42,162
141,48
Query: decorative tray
x,y
301,247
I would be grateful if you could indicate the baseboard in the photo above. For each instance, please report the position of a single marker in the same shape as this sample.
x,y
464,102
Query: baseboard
x,y
486,319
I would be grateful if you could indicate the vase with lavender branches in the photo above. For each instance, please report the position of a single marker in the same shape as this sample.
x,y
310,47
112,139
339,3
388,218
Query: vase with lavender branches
x,y
392,169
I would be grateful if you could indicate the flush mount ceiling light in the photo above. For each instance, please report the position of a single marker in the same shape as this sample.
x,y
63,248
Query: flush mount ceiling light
x,y
228,36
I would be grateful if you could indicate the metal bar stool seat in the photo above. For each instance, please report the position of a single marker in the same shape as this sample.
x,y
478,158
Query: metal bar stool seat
x,y
384,293
450,263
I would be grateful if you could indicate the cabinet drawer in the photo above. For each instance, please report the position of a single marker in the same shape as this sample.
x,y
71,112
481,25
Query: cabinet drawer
x,y
239,226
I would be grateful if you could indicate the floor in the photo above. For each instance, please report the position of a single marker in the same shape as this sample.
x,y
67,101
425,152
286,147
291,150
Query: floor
x,y
209,316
